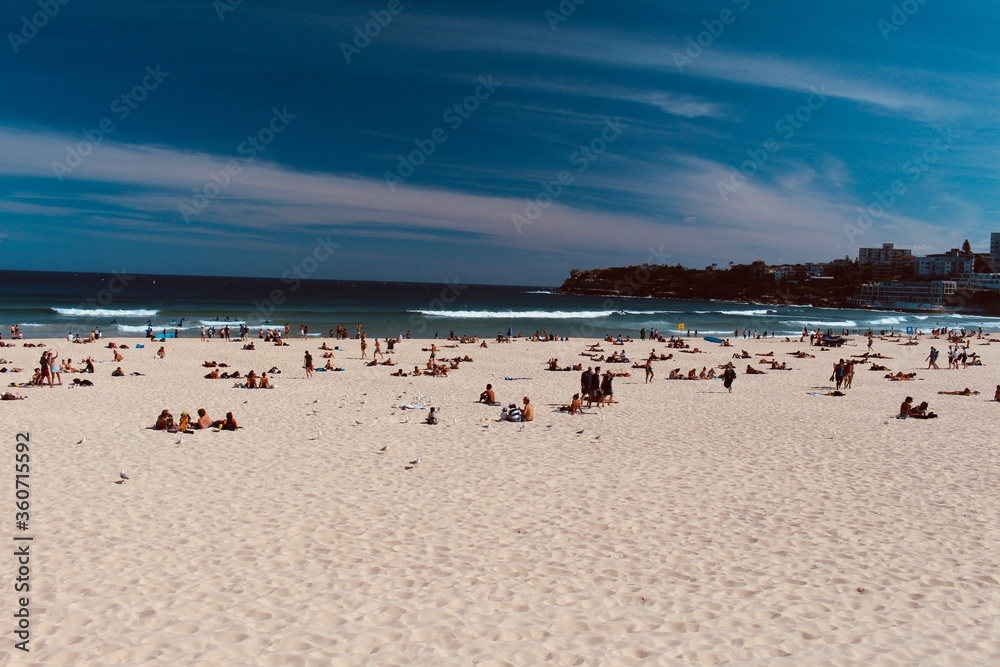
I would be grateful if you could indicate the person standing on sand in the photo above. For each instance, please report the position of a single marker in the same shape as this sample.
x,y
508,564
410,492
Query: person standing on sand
x,y
45,368
728,376
585,381
364,346
309,364
378,349
649,368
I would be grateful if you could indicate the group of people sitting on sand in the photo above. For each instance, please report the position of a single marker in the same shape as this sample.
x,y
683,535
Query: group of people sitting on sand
x,y
165,422
693,374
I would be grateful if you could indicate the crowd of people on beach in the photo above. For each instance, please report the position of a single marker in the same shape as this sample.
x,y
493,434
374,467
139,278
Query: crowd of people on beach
x,y
596,385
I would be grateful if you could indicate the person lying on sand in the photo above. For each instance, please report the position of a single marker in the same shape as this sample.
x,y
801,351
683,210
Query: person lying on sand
x,y
964,392
802,355
118,372
8,396
753,371
920,412
877,367
214,375
400,373
901,377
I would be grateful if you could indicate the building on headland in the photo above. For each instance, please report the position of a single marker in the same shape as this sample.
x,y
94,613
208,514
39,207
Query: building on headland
x,y
887,261
951,264
995,251
982,281
905,296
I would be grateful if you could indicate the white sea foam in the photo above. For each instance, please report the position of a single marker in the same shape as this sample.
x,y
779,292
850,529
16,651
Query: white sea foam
x,y
534,314
756,311
105,312
819,323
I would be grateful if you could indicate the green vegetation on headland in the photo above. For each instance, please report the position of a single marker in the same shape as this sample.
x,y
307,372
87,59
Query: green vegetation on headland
x,y
840,280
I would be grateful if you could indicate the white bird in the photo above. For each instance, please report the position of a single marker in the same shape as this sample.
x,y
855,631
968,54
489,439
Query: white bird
x,y
581,431
123,475
550,426
522,427
598,437
415,462
384,449
358,422
83,441
180,441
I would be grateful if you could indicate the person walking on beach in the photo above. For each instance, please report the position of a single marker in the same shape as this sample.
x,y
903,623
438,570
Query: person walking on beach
x,y
932,358
728,376
378,349
364,346
649,368
309,364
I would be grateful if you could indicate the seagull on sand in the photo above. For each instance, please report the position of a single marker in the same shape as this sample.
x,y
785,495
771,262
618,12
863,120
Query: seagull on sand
x,y
581,431
180,441
123,475
384,449
413,464
82,441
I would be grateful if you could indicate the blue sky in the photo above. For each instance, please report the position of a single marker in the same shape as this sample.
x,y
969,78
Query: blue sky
x,y
592,134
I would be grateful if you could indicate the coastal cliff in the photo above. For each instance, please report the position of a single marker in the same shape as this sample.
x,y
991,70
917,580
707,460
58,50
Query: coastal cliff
x,y
737,283
755,283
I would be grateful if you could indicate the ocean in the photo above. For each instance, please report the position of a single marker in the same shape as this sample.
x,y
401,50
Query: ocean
x,y
49,304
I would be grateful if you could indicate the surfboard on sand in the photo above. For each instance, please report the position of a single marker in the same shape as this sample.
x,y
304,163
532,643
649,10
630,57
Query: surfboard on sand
x,y
713,339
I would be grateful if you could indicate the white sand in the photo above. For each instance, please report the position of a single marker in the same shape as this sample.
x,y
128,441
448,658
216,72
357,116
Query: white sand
x,y
759,528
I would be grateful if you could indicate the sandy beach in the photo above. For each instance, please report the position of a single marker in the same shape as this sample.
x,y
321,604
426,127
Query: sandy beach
x,y
680,525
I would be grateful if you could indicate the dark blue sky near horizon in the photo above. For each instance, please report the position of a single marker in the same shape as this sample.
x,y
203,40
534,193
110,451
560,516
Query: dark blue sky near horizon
x,y
781,137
